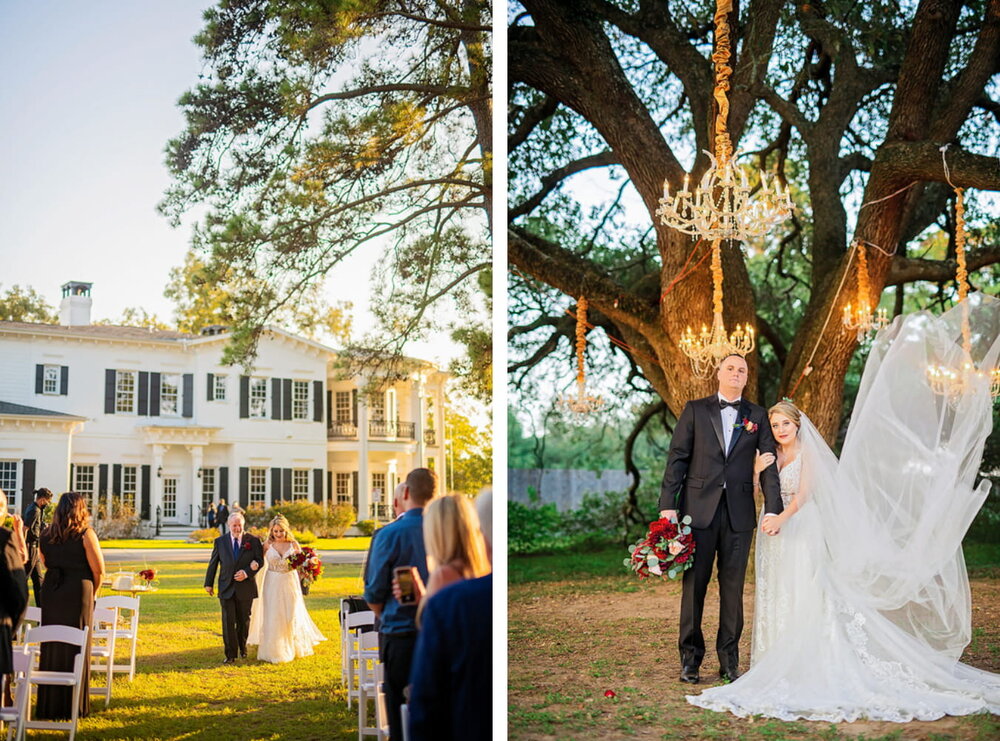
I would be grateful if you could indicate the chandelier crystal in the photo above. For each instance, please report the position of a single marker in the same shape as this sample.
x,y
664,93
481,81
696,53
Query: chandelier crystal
x,y
859,316
581,402
945,380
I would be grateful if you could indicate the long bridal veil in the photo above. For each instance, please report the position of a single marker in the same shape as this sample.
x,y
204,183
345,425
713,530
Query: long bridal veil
x,y
880,609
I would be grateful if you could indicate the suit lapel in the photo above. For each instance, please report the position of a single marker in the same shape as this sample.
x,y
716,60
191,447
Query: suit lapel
x,y
715,415
742,413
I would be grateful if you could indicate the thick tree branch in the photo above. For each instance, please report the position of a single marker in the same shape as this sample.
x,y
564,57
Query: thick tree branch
x,y
909,270
554,178
921,161
532,117
771,335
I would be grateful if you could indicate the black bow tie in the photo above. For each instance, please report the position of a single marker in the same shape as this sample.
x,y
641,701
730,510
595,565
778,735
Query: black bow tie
x,y
734,404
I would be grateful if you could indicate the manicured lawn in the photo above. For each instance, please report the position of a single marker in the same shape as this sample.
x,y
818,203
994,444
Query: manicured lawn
x,y
321,544
182,690
579,625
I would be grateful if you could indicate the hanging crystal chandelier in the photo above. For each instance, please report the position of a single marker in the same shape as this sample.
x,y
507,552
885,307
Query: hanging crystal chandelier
x,y
722,206
859,316
945,380
710,346
581,402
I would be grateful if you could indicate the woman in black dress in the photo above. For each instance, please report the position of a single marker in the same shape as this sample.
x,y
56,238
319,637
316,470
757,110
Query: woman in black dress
x,y
74,567
13,591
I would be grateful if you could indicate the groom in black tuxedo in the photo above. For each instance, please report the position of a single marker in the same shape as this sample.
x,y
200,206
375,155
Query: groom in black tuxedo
x,y
710,476
236,556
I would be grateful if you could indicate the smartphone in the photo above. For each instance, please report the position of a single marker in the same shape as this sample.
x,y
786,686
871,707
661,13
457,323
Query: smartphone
x,y
404,575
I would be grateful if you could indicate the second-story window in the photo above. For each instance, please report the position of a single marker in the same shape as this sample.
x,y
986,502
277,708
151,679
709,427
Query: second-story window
x,y
170,394
125,392
50,380
258,397
300,399
378,407
219,383
344,411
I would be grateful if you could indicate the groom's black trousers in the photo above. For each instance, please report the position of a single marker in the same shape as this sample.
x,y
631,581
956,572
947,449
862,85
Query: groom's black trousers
x,y
235,625
731,548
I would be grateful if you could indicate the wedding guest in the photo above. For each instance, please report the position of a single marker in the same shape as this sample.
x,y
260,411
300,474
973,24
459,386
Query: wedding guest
x,y
34,521
13,593
450,684
210,515
222,516
400,543
74,568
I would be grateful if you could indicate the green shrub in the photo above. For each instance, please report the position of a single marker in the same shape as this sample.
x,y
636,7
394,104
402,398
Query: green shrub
x,y
256,516
306,537
339,517
986,527
532,529
367,527
206,535
301,514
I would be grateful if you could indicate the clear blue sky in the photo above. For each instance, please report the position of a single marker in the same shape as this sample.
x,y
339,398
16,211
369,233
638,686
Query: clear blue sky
x,y
88,100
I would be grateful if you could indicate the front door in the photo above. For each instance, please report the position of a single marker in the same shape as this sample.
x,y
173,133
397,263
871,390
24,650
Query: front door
x,y
170,499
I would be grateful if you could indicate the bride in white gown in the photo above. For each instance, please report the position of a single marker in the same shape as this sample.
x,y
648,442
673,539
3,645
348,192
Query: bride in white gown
x,y
863,604
280,625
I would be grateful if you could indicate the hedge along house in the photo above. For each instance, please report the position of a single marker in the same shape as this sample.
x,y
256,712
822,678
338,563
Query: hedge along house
x,y
152,420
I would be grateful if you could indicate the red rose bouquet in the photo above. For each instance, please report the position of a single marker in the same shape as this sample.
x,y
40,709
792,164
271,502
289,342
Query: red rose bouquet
x,y
308,564
147,575
666,551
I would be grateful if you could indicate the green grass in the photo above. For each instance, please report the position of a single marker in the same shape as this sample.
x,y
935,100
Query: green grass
x,y
322,544
182,690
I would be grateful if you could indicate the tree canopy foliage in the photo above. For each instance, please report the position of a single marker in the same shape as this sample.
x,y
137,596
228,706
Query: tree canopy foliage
x,y
318,129
25,304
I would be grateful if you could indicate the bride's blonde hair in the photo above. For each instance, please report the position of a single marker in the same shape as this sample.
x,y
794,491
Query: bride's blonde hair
x,y
789,410
280,519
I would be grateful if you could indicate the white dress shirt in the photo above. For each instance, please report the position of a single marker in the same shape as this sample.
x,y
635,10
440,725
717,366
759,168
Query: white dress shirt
x,y
729,415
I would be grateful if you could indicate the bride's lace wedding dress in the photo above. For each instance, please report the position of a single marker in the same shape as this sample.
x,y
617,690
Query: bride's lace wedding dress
x,y
280,625
863,607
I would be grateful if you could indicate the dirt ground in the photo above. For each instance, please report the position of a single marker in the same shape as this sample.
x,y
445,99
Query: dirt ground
x,y
571,641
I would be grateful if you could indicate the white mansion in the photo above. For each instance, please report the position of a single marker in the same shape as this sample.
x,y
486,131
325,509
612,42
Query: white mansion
x,y
152,419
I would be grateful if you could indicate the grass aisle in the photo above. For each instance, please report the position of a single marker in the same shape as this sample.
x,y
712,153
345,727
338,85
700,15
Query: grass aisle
x,y
579,625
182,690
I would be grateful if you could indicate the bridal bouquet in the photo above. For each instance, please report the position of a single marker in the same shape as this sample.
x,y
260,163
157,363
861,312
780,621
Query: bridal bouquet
x,y
307,563
652,554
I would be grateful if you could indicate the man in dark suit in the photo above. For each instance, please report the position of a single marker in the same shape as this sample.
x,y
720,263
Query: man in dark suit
x,y
34,522
710,476
237,557
222,516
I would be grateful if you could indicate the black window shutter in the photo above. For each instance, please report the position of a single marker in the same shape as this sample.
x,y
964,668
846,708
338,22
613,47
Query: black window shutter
x,y
188,403
354,407
224,483
143,393
116,479
286,398
317,401
27,481
286,483
211,387
354,493
244,397
63,380
154,394
102,481
145,499
318,485
109,391
275,398
329,408
71,486
329,486
244,487
39,378
275,486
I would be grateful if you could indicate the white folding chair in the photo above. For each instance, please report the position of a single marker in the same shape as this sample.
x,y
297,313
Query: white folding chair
x,y
370,688
32,618
102,651
37,677
13,716
355,623
404,719
127,631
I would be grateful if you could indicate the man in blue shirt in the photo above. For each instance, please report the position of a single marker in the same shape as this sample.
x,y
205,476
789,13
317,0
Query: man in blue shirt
x,y
400,543
450,684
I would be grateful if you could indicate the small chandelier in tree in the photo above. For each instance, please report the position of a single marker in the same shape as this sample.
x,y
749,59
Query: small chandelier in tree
x,y
858,316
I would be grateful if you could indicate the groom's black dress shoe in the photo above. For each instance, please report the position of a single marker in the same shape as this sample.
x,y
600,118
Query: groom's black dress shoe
x,y
730,674
243,654
229,661
689,674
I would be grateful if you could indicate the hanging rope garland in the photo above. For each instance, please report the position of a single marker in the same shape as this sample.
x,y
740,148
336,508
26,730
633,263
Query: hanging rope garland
x,y
581,403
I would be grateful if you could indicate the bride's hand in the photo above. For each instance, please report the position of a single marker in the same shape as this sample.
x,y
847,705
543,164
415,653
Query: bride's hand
x,y
762,461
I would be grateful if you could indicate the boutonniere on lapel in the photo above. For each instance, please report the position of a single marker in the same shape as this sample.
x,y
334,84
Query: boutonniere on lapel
x,y
747,425
246,545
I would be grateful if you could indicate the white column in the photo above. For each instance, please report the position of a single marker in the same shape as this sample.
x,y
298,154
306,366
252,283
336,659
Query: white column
x,y
156,496
364,485
196,452
417,410
443,443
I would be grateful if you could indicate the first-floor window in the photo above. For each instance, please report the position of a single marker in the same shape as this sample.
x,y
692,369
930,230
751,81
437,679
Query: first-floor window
x,y
170,394
84,483
8,482
125,392
300,483
207,487
300,399
170,497
258,397
344,492
378,486
129,485
258,486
